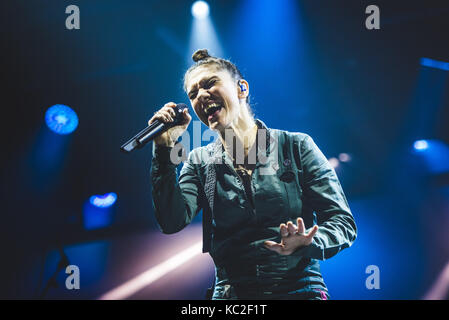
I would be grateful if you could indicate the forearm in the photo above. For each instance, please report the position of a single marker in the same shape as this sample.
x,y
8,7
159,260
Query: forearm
x,y
172,210
324,196
333,235
336,231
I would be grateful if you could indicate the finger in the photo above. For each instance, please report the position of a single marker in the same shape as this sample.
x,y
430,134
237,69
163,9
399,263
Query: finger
x,y
274,246
291,228
166,115
156,116
169,105
301,227
186,115
170,111
312,232
283,230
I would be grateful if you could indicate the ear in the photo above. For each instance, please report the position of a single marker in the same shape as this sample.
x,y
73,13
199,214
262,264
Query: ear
x,y
243,89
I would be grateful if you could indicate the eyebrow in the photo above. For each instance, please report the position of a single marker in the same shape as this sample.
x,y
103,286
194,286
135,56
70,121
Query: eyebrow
x,y
201,82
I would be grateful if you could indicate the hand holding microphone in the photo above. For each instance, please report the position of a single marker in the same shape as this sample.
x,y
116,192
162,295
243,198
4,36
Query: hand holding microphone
x,y
165,127
167,114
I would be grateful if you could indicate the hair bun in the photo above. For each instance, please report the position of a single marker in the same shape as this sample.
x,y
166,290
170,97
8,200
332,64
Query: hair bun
x,y
200,54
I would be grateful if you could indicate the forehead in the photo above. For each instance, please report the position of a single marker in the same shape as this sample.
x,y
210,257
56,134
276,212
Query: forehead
x,y
204,72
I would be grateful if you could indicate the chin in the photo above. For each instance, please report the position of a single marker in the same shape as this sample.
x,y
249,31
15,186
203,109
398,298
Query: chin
x,y
216,126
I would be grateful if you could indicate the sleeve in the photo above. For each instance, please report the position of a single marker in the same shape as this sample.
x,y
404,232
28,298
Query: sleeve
x,y
175,200
323,192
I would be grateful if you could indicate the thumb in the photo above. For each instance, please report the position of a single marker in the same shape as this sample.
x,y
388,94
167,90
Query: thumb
x,y
186,115
273,246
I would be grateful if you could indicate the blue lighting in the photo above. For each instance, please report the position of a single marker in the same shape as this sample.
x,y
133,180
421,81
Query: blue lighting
x,y
61,119
426,62
103,201
435,154
202,32
200,9
421,145
99,211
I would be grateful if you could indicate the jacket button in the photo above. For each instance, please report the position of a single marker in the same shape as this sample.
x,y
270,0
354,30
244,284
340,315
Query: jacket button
x,y
287,162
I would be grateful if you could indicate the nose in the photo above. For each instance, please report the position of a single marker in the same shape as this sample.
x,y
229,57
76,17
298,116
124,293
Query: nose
x,y
203,95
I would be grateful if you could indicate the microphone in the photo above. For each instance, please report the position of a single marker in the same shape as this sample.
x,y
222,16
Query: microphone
x,y
153,130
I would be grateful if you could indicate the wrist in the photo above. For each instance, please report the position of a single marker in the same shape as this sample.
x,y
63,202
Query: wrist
x,y
164,143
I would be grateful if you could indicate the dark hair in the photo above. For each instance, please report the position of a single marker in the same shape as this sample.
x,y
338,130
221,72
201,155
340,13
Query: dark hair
x,y
202,57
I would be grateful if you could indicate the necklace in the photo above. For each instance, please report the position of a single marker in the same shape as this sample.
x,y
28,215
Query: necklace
x,y
246,168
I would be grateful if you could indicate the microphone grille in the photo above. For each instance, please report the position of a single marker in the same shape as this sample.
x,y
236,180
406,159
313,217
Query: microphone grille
x,y
181,106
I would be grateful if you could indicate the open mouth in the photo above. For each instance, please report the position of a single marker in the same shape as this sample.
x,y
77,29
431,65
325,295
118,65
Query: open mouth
x,y
212,110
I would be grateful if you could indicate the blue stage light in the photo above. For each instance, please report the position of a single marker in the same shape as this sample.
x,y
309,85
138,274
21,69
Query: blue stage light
x,y
421,145
435,153
103,201
200,9
426,62
61,119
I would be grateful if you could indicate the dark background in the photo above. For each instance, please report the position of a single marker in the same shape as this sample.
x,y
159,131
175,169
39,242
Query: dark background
x,y
312,66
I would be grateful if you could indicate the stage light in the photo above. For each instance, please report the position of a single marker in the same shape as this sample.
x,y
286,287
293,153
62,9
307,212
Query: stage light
x,y
426,62
139,282
98,211
440,288
434,153
103,201
334,162
421,145
61,119
344,157
202,33
200,9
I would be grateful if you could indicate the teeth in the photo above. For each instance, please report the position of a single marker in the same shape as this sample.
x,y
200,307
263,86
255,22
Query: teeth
x,y
213,105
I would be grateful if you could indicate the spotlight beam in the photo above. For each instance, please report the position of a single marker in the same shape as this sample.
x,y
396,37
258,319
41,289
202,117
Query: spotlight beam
x,y
200,10
440,289
139,282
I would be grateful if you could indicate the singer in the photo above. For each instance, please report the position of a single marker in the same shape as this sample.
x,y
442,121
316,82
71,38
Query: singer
x,y
270,215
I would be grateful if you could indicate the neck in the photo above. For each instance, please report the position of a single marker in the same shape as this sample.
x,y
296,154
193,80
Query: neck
x,y
244,129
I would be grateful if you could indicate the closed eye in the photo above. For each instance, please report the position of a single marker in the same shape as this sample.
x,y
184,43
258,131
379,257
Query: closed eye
x,y
192,95
206,85
210,84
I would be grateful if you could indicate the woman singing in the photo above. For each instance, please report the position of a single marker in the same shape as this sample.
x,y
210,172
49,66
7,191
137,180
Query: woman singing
x,y
270,212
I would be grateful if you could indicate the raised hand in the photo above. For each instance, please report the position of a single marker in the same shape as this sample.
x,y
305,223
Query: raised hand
x,y
293,238
166,114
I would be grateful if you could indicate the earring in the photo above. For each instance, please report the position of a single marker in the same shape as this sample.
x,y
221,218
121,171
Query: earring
x,y
242,87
